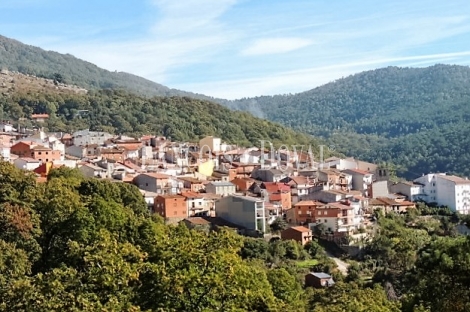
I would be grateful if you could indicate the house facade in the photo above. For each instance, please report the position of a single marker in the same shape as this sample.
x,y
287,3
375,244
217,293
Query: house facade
x,y
300,234
304,211
172,208
221,188
411,190
244,211
446,190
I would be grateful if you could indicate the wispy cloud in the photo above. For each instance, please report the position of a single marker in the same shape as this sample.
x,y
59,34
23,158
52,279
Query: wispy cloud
x,y
276,46
308,78
240,48
186,32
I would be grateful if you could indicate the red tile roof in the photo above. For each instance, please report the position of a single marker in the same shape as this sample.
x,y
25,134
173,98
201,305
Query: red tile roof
x,y
34,116
274,187
302,229
156,175
190,194
358,171
307,203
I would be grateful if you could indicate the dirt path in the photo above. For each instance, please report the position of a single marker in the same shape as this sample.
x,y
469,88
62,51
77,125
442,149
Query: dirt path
x,y
342,266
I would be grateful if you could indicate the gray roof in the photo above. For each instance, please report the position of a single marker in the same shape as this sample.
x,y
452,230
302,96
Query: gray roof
x,y
320,275
222,183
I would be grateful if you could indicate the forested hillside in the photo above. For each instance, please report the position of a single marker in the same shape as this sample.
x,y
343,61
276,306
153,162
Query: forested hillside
x,y
415,117
181,118
27,59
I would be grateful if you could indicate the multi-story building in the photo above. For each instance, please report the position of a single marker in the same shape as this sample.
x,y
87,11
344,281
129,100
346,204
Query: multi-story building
x,y
172,208
361,180
87,137
446,190
304,212
210,144
336,217
247,212
221,188
411,190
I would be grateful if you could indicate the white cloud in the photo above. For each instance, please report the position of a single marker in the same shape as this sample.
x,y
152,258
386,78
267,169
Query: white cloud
x,y
276,46
187,32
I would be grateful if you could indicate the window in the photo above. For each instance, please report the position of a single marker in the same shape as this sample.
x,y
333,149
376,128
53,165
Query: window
x,y
319,213
175,205
47,153
39,153
326,220
146,184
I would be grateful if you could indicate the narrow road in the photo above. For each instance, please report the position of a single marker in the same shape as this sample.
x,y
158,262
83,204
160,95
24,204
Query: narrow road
x,y
342,266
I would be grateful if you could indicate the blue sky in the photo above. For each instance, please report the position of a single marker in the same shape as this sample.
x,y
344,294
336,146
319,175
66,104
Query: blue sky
x,y
243,48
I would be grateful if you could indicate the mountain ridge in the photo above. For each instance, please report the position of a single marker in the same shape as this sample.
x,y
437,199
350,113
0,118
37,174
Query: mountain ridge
x,y
32,60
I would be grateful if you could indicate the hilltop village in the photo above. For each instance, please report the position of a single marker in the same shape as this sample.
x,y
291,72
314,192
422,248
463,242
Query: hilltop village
x,y
210,182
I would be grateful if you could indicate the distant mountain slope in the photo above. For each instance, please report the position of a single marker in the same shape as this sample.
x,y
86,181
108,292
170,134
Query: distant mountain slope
x,y
116,111
27,59
415,117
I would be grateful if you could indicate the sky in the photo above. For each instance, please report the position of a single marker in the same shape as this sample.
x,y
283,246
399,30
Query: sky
x,y
244,48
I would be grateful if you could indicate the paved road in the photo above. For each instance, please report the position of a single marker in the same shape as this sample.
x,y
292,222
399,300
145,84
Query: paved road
x,y
342,266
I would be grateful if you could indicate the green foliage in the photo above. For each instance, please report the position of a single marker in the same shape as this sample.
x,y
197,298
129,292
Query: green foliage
x,y
415,118
441,277
351,297
278,225
181,119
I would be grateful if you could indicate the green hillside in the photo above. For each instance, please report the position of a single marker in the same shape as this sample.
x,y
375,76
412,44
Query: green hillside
x,y
414,117
181,118
27,59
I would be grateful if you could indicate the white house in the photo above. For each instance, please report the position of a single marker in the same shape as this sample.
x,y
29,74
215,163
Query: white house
x,y
411,190
447,190
92,171
87,137
361,180
149,198
6,127
58,146
5,152
26,163
211,144
131,153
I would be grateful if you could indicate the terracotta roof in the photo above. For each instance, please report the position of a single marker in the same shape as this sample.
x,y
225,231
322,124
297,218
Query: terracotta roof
x,y
299,180
274,187
302,229
357,171
392,202
171,196
39,116
275,197
157,175
41,148
307,203
190,194
339,206
190,179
